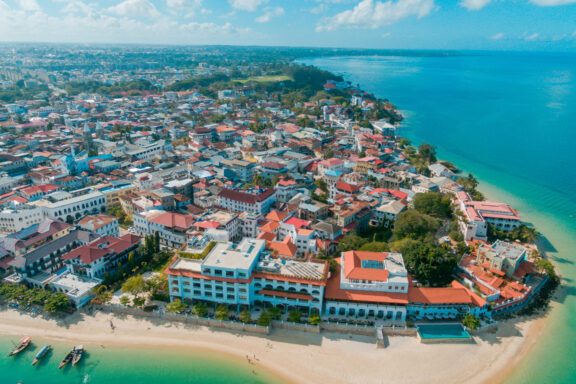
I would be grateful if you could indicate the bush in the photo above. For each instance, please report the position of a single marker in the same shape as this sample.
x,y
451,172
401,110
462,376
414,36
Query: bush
x,y
315,319
138,301
265,319
222,312
177,306
245,316
150,308
471,322
124,300
199,310
294,316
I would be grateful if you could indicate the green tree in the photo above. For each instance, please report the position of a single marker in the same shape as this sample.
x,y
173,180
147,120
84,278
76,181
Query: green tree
x,y
136,285
414,225
546,266
156,241
57,302
429,264
427,152
177,306
124,300
222,312
321,183
375,246
245,316
471,322
351,242
433,204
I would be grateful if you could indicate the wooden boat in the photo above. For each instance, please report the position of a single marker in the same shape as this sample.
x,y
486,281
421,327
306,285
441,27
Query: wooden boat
x,y
41,353
68,358
78,351
25,342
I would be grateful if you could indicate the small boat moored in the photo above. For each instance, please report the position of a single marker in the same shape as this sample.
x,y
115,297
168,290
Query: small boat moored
x,y
68,358
78,351
25,342
45,349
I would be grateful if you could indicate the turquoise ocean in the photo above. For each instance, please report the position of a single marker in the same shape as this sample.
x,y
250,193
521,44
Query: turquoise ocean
x,y
510,119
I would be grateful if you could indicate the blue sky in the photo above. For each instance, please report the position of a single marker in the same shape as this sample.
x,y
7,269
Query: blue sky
x,y
412,24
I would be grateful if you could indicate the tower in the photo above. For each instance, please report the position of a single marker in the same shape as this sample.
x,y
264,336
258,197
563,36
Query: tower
x,y
87,135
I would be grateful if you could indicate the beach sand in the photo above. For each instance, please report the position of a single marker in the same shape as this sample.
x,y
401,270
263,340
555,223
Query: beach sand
x,y
304,357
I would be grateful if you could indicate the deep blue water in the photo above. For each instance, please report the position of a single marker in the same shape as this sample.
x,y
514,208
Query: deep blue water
x,y
509,118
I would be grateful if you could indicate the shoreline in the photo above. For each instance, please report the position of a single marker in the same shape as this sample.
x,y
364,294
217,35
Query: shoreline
x,y
335,357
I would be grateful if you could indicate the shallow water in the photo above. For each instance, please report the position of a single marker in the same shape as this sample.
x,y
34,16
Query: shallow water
x,y
126,365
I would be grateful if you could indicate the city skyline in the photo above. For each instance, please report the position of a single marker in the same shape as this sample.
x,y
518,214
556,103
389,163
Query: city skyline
x,y
530,25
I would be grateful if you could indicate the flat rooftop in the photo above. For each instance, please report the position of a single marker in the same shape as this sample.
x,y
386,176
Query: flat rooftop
x,y
508,250
290,268
77,286
193,265
223,255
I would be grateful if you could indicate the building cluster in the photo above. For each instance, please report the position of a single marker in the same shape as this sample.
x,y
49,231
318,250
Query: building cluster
x,y
271,186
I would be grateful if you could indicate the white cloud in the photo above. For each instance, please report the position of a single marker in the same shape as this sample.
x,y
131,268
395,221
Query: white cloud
x,y
474,5
135,8
386,35
29,5
188,6
183,4
246,5
497,36
269,13
370,14
552,3
210,29
532,37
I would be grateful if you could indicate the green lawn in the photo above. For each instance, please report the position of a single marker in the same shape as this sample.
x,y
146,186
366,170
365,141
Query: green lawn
x,y
266,79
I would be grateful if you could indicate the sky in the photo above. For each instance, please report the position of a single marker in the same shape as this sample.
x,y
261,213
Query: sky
x,y
530,25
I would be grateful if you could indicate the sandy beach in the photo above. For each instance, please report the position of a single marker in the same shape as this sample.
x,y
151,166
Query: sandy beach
x,y
303,357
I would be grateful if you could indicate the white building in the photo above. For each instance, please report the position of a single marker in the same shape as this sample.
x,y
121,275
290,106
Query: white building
x,y
19,217
245,275
74,207
104,225
254,200
171,227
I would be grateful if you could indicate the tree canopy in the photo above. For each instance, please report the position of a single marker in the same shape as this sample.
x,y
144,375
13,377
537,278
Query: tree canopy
x,y
429,264
415,225
434,204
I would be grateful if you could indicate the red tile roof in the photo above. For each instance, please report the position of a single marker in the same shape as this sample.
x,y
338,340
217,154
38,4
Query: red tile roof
x,y
353,266
245,197
172,220
334,292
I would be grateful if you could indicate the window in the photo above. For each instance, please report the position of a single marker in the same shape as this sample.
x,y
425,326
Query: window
x,y
229,274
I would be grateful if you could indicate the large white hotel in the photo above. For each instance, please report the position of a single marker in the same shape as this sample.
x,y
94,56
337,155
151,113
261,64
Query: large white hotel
x,y
248,275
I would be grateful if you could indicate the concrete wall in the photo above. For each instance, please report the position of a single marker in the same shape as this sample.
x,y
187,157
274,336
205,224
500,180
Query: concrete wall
x,y
189,319
296,326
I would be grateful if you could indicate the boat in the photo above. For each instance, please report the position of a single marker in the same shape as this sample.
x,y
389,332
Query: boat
x,y
25,342
41,353
68,358
78,351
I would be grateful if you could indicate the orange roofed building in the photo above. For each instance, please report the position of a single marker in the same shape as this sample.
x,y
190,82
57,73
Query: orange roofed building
x,y
377,284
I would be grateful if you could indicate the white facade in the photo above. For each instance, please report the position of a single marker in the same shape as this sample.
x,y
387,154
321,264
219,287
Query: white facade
x,y
76,207
13,220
